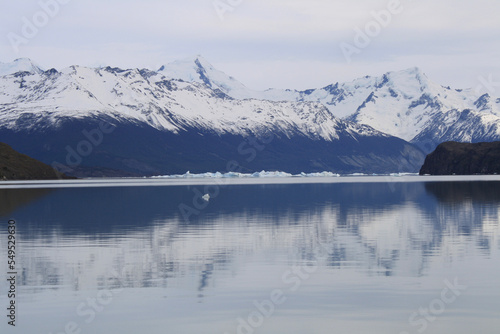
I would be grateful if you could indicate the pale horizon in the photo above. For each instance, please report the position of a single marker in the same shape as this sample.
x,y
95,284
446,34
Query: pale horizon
x,y
278,44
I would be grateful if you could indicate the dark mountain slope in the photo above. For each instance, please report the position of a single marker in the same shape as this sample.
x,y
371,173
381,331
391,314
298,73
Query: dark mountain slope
x,y
138,149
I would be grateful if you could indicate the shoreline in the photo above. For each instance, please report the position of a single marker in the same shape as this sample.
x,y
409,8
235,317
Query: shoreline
x,y
155,181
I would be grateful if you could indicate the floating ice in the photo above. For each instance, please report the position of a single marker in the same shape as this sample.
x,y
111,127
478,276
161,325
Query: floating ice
x,y
261,174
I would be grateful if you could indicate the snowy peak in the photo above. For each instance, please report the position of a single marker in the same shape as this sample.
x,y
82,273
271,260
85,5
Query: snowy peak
x,y
187,69
486,104
413,73
410,83
199,70
483,102
19,65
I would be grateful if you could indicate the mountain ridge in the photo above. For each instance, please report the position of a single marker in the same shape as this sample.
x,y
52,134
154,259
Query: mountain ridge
x,y
404,104
48,114
192,95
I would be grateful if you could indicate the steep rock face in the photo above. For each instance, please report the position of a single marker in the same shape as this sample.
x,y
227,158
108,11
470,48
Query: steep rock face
x,y
463,159
17,166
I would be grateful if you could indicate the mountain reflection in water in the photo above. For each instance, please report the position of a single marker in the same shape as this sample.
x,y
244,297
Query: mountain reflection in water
x,y
77,240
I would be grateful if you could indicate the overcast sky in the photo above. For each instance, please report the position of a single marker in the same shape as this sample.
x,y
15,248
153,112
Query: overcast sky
x,y
263,43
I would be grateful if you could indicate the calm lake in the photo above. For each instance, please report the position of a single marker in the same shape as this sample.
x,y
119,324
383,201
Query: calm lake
x,y
346,257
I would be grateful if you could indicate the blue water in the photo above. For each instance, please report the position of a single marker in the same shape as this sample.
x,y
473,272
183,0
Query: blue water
x,y
343,257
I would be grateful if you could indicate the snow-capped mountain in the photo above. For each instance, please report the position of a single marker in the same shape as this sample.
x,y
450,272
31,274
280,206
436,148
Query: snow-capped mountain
x,y
143,96
160,125
405,104
199,70
19,65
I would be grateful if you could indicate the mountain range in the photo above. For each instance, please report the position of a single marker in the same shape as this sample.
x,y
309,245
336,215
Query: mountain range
x,y
189,116
405,104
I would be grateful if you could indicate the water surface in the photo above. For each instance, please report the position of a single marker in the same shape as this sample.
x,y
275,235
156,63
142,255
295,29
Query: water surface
x,y
347,257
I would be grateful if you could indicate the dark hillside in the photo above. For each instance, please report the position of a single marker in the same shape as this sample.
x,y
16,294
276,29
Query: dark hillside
x,y
463,159
17,166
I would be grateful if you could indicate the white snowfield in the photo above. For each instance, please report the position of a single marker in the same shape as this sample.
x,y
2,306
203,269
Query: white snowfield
x,y
192,93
